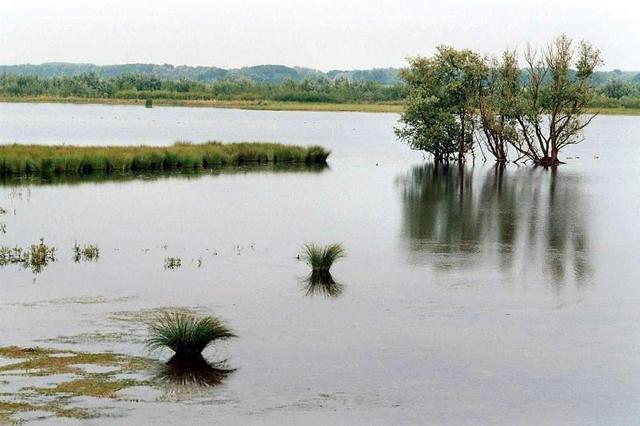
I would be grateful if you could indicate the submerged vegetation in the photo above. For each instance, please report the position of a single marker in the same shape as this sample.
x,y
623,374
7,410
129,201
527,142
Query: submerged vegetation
x,y
171,262
185,334
321,258
75,160
36,257
79,379
87,253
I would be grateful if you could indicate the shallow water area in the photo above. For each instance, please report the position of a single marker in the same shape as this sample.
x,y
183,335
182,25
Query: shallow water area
x,y
480,295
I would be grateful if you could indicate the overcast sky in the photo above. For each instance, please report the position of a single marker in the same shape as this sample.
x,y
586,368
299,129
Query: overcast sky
x,y
323,34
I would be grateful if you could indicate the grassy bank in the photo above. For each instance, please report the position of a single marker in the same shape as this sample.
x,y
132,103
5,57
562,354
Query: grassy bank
x,y
76,160
261,105
250,105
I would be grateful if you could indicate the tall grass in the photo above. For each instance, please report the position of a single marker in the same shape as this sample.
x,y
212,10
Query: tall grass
x,y
19,159
321,258
186,334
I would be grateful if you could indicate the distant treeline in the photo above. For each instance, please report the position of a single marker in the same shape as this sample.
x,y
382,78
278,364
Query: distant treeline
x,y
620,90
140,86
256,74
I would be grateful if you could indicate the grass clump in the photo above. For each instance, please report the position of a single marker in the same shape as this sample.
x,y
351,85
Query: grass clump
x,y
186,334
81,160
87,253
321,258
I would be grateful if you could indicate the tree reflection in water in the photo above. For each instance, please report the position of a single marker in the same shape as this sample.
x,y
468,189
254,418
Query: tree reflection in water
x,y
521,221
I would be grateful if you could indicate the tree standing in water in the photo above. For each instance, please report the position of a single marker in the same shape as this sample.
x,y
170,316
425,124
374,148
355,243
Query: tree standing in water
x,y
552,104
440,103
537,111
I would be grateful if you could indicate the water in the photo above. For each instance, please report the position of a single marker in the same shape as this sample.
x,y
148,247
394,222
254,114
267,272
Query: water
x,y
474,296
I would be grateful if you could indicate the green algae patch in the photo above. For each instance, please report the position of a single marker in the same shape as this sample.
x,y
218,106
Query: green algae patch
x,y
95,385
46,362
8,409
81,379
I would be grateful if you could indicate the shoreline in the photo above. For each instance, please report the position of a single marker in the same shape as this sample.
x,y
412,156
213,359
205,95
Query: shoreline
x,y
262,105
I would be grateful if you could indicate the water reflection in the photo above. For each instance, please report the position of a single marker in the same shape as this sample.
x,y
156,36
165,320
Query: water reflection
x,y
193,371
101,177
518,220
322,283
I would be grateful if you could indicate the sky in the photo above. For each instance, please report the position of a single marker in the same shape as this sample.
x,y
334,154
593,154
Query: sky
x,y
328,34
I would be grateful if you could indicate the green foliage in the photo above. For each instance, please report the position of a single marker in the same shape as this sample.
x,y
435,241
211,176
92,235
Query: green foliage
x,y
260,74
321,258
146,87
441,91
75,160
185,334
454,93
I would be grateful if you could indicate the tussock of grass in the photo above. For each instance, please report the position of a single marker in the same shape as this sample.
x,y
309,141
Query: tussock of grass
x,y
322,257
76,160
185,334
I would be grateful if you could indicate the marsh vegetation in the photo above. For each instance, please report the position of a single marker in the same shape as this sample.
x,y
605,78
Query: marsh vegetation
x,y
172,262
36,257
186,334
80,160
76,378
88,253
321,258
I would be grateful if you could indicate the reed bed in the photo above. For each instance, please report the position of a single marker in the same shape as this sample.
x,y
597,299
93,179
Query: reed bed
x,y
20,159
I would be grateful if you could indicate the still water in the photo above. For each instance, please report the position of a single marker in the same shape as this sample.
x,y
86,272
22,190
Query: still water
x,y
480,295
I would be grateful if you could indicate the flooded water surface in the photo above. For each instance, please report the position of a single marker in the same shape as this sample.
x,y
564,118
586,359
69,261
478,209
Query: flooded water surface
x,y
474,295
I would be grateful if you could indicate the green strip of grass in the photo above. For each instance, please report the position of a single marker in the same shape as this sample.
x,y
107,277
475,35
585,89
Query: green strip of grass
x,y
261,105
77,160
250,105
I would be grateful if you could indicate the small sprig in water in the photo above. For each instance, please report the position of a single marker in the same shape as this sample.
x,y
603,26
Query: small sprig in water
x,y
172,262
37,257
88,253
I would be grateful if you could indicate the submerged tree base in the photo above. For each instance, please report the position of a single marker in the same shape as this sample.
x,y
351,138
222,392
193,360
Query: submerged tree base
x,y
77,160
548,162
